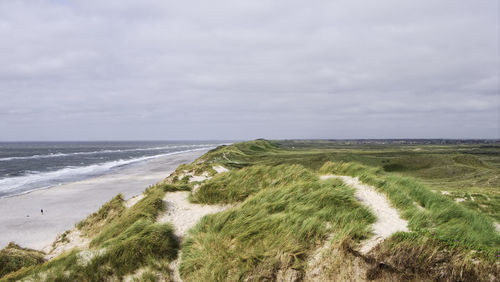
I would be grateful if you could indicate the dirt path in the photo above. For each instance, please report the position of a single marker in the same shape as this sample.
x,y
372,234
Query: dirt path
x,y
183,215
388,220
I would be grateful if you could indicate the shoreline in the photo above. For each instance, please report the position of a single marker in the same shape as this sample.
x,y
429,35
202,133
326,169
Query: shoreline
x,y
116,169
66,204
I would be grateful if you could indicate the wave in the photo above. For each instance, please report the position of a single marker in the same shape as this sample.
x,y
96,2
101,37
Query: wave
x,y
32,181
55,155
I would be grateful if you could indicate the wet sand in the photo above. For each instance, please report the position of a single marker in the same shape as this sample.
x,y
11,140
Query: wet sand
x,y
65,205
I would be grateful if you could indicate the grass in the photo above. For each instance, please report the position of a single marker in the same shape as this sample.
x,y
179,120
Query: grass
x,y
147,209
273,229
142,244
13,258
130,239
110,211
441,216
426,256
407,174
460,169
283,214
237,185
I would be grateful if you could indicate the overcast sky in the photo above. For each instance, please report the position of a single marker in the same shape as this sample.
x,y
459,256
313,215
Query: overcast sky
x,y
128,70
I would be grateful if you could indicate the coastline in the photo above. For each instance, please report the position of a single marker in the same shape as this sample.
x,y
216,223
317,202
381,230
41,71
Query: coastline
x,y
65,205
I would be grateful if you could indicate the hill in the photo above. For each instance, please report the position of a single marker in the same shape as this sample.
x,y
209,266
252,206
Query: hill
x,y
295,210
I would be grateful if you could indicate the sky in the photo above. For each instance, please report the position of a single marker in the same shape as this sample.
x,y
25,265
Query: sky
x,y
245,69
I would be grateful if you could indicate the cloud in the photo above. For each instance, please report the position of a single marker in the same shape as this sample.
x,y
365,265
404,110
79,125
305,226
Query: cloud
x,y
246,69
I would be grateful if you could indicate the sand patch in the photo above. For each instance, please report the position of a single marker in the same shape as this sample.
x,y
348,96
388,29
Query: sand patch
x,y
199,178
183,215
388,219
220,169
315,264
132,201
65,242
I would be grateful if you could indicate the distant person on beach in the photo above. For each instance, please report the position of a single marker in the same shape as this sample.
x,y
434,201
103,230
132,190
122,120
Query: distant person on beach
x,y
41,211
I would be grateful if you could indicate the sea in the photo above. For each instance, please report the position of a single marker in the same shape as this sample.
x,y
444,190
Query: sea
x,y
29,166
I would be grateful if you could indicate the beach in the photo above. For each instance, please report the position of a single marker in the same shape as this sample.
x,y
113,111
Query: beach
x,y
22,221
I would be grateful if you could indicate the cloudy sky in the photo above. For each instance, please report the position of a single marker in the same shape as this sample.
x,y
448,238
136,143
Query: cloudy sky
x,y
128,70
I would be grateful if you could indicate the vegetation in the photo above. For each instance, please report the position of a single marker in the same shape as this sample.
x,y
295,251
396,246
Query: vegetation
x,y
427,257
285,222
237,185
146,209
124,243
272,230
14,257
94,223
427,211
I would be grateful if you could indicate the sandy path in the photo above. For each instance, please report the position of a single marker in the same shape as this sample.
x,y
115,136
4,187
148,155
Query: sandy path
x,y
183,215
388,219
67,204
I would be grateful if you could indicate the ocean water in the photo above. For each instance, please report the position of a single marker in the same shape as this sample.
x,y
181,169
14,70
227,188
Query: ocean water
x,y
28,166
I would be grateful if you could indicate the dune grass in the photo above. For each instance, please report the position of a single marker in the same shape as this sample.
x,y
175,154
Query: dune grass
x,y
129,239
438,216
273,229
142,244
147,208
13,258
237,185
94,223
283,214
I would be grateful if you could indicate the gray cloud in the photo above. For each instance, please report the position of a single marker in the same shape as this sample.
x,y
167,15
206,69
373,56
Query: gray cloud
x,y
246,69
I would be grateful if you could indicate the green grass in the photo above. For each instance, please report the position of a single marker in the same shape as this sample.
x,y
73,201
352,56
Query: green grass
x,y
282,214
166,187
237,185
407,174
448,221
147,208
13,258
131,239
142,244
427,257
110,211
456,168
276,228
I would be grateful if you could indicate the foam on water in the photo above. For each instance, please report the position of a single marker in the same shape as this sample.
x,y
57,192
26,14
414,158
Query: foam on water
x,y
33,180
55,155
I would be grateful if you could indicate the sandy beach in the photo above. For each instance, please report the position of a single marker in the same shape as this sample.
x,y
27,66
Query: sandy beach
x,y
21,220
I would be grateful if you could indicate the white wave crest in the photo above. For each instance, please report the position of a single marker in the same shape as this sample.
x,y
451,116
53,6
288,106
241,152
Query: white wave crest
x,y
55,155
32,181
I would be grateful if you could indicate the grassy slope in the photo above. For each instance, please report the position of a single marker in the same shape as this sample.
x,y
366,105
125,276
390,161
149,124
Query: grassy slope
x,y
443,222
14,257
440,217
285,214
275,228
131,240
468,172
